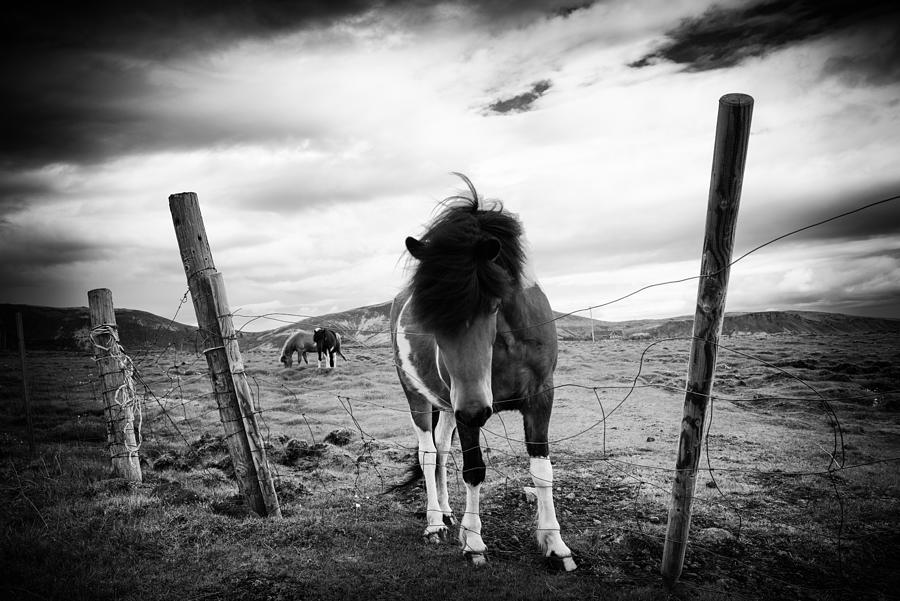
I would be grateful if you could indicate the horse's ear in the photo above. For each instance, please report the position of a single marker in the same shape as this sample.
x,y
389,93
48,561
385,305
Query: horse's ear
x,y
414,246
487,250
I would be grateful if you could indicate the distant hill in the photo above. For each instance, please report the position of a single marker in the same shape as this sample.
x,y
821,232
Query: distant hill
x,y
367,326
52,328
48,328
762,323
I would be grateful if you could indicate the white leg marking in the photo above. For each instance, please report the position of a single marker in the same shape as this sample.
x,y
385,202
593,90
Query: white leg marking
x,y
443,437
436,530
470,526
548,536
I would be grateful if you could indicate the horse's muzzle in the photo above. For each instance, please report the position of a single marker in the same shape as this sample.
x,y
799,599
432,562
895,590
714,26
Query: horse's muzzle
x,y
475,417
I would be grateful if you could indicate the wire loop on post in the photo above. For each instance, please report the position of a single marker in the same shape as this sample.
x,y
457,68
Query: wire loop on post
x,y
125,396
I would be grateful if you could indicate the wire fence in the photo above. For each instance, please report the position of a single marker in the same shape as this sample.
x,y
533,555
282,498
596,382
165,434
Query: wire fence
x,y
613,435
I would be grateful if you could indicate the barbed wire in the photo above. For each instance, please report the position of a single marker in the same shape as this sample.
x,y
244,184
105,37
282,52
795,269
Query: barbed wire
x,y
175,398
129,411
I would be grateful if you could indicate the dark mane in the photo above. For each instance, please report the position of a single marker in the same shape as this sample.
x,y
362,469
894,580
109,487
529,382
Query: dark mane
x,y
452,281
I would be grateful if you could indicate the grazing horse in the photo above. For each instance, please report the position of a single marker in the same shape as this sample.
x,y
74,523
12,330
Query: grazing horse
x,y
328,342
301,342
473,333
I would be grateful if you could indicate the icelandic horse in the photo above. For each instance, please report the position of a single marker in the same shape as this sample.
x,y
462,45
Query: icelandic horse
x,y
328,342
300,342
473,333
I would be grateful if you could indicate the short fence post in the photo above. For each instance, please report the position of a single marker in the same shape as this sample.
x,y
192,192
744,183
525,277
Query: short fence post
x,y
729,158
25,394
114,369
257,487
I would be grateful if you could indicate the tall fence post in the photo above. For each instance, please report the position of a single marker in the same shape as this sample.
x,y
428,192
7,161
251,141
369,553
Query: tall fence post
x,y
729,158
26,397
115,369
254,483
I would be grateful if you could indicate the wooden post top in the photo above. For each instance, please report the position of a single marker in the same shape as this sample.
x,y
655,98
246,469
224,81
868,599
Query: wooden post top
x,y
101,307
196,255
736,99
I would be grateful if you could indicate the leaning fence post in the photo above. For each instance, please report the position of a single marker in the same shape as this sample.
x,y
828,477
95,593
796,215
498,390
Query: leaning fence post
x,y
729,158
242,392
115,372
197,260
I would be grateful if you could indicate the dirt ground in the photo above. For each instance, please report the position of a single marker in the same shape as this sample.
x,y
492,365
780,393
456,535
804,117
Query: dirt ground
x,y
797,495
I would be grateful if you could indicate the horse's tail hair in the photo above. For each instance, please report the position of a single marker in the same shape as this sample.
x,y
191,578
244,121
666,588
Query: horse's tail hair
x,y
413,475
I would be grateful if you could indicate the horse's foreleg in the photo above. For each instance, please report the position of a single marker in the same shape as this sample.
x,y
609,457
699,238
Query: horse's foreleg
x,y
443,436
473,475
436,531
547,531
331,357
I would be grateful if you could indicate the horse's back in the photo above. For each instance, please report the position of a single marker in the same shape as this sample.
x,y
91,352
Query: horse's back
x,y
302,340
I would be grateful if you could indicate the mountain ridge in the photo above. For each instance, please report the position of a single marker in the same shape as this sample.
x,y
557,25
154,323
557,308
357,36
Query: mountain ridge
x,y
68,328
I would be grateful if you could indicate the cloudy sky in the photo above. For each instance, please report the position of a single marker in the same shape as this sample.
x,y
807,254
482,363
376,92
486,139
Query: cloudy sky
x,y
319,134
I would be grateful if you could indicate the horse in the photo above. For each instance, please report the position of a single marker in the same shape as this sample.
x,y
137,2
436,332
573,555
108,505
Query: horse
x,y
473,333
328,342
301,342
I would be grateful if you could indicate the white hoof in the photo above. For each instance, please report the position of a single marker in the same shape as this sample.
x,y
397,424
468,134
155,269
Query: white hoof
x,y
564,564
437,536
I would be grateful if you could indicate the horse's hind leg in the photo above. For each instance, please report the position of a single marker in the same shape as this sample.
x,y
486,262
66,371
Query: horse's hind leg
x,y
547,531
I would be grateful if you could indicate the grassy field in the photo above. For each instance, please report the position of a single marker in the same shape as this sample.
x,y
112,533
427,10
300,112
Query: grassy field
x,y
798,497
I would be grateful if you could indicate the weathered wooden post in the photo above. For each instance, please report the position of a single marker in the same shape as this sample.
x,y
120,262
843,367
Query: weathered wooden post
x,y
25,394
242,390
115,370
729,158
196,257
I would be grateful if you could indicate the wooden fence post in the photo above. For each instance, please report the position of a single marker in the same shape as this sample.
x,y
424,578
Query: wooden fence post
x,y
117,387
242,392
25,395
196,257
729,158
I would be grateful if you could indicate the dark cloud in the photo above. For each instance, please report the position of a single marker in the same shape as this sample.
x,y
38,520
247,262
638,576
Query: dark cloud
x,y
159,29
757,227
872,66
86,108
23,251
567,10
74,75
16,192
725,36
521,103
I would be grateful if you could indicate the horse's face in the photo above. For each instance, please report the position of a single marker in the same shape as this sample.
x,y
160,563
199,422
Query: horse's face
x,y
287,360
467,356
